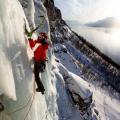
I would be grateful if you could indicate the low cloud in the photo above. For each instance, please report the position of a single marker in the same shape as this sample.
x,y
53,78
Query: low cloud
x,y
109,22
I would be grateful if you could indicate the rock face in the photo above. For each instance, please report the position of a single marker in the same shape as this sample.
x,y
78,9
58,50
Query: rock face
x,y
83,103
53,12
95,65
80,95
103,68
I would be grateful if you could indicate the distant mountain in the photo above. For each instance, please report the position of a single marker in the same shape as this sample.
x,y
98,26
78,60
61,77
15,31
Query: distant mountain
x,y
74,23
109,22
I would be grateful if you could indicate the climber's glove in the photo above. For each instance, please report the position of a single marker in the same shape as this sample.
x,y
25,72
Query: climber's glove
x,y
29,35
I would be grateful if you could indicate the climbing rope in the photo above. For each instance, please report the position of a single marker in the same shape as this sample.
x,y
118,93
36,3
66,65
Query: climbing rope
x,y
21,108
46,113
31,102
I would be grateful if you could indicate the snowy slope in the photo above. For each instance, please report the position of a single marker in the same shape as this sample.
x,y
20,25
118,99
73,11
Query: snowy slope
x,y
67,109
106,104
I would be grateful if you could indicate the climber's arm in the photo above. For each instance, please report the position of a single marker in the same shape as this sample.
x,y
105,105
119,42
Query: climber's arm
x,y
31,43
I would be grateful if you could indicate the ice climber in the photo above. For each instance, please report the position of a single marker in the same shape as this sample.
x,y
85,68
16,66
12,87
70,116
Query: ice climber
x,y
39,47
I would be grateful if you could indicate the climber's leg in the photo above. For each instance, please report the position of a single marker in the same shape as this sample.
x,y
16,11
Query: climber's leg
x,y
37,78
1,107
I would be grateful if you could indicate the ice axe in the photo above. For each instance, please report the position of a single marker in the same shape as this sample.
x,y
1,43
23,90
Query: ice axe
x,y
38,25
41,23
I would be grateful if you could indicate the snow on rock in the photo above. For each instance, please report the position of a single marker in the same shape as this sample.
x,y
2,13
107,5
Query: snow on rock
x,y
76,86
105,100
78,91
80,87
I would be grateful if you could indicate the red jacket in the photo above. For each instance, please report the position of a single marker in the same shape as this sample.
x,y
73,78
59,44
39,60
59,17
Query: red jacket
x,y
39,49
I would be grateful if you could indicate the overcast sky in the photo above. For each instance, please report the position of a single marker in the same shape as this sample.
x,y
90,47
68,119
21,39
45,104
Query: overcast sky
x,y
88,10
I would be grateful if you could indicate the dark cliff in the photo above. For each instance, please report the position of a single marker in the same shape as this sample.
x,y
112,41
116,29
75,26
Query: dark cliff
x,y
100,67
53,12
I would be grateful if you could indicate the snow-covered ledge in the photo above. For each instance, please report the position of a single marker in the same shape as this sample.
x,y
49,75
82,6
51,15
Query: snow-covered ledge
x,y
79,92
78,89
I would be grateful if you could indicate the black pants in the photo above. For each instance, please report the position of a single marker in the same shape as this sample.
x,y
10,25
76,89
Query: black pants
x,y
39,67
